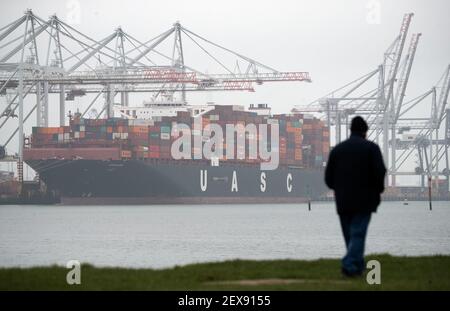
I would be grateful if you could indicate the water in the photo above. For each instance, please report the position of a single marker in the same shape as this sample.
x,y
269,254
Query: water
x,y
163,236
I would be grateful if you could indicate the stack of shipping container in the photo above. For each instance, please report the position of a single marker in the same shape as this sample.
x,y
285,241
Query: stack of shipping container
x,y
303,139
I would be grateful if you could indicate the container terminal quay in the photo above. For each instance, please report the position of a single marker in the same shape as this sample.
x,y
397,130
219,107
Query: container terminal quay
x,y
168,149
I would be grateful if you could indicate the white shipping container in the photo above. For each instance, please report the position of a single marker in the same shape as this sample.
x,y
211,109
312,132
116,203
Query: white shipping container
x,y
82,128
141,122
272,121
214,161
165,136
60,137
76,134
124,135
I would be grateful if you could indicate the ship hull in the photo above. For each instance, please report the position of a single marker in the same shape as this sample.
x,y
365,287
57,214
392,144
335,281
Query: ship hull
x,y
175,182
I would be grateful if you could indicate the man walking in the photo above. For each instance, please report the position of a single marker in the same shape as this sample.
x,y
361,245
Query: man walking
x,y
355,171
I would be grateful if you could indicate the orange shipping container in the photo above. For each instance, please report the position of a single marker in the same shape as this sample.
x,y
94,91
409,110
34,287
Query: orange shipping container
x,y
138,129
153,155
49,130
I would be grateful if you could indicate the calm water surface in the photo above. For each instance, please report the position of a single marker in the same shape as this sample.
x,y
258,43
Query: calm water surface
x,y
163,236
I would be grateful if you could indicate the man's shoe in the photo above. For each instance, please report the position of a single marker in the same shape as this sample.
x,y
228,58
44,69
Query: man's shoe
x,y
349,274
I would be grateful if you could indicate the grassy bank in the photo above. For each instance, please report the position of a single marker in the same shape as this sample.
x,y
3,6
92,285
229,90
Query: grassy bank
x,y
397,273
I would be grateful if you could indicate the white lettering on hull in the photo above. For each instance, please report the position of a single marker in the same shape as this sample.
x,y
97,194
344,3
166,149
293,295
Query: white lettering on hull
x,y
203,180
289,182
263,182
234,183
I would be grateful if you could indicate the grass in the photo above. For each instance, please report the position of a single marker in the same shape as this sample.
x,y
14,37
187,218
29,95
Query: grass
x,y
397,273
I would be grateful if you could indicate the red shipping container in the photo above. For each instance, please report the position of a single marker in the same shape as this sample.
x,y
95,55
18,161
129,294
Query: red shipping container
x,y
154,155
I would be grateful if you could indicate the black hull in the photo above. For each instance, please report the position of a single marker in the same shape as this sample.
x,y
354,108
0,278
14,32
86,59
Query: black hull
x,y
166,182
30,200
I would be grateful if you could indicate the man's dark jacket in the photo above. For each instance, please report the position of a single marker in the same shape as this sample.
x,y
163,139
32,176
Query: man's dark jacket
x,y
355,171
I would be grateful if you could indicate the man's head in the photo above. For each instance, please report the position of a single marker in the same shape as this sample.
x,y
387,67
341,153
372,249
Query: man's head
x,y
359,126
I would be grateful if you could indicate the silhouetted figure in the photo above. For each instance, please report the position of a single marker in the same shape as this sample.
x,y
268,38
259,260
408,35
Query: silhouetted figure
x,y
355,171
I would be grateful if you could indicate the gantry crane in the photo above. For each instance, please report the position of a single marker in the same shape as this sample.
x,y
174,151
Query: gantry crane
x,y
380,97
73,64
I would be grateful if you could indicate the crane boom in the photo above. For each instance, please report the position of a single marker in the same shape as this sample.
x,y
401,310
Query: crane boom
x,y
397,57
404,76
443,97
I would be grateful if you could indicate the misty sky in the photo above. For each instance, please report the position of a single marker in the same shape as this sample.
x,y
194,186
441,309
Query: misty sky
x,y
331,39
336,41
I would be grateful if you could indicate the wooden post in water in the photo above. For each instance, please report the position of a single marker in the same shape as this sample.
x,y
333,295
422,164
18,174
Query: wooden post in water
x,y
309,198
429,193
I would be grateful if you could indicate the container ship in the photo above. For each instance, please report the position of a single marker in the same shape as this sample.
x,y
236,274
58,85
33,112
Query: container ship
x,y
129,158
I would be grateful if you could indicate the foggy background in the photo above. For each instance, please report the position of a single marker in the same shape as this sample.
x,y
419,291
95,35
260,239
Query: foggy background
x,y
336,41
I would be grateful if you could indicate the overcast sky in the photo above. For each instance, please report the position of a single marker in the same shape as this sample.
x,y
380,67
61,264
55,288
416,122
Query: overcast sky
x,y
336,41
